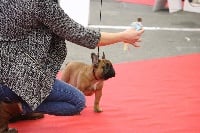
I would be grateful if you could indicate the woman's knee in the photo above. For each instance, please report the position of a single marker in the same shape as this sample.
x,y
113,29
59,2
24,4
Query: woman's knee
x,y
63,100
81,104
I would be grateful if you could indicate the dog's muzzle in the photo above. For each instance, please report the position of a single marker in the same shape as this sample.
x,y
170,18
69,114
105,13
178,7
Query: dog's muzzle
x,y
108,71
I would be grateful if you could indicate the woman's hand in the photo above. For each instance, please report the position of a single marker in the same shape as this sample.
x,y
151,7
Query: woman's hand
x,y
132,36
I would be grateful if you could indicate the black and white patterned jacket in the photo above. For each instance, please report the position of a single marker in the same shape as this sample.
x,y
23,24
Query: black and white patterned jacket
x,y
32,45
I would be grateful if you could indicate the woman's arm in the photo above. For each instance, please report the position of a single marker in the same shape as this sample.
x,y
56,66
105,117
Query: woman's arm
x,y
54,17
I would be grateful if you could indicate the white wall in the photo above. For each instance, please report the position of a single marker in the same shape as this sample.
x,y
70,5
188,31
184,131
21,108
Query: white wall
x,y
77,10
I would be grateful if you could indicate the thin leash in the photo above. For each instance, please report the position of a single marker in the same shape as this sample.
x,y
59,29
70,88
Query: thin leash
x,y
100,18
99,31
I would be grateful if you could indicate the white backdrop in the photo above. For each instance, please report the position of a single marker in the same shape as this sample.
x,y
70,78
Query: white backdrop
x,y
77,10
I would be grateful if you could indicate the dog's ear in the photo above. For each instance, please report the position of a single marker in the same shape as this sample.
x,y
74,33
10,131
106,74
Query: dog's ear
x,y
103,57
95,59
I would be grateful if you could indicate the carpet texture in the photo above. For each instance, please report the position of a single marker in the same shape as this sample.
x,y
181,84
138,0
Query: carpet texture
x,y
150,96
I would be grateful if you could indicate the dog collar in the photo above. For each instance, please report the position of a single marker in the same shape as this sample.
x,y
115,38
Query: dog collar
x,y
94,74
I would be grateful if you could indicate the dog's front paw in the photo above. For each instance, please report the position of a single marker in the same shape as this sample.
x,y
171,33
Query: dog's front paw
x,y
98,110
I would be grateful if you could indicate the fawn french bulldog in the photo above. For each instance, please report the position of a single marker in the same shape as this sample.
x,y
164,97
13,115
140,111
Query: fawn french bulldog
x,y
89,78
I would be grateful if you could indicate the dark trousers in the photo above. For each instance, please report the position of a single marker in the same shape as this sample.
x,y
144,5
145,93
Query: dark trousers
x,y
64,99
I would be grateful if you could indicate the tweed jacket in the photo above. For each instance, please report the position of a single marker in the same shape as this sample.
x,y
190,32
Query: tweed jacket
x,y
32,45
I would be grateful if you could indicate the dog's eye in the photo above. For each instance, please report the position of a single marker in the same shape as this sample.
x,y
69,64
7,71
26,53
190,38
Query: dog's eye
x,y
107,65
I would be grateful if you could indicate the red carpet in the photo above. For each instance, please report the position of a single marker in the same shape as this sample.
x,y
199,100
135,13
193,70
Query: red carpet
x,y
143,2
152,96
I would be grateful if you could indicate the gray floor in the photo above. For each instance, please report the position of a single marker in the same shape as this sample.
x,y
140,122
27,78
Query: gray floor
x,y
155,44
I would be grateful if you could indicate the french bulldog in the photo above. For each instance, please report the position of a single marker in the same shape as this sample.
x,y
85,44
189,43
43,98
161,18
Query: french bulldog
x,y
89,78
